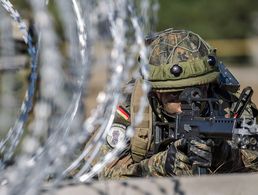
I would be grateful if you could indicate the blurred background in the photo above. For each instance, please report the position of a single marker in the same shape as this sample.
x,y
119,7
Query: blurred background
x,y
230,26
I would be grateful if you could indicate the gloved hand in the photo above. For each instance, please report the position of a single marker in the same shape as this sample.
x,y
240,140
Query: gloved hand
x,y
177,163
222,153
200,152
183,156
228,159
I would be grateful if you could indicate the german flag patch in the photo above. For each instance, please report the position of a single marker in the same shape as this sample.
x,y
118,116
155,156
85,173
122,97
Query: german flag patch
x,y
123,113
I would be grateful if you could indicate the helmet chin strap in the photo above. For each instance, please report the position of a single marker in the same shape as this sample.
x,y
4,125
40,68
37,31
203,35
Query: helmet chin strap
x,y
155,105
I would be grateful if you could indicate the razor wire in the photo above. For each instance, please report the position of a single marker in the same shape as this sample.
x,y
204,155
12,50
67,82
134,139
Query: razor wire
x,y
82,70
59,147
85,173
114,80
118,31
7,80
12,139
49,58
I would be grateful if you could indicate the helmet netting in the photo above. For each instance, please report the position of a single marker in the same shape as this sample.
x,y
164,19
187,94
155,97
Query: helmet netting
x,y
173,46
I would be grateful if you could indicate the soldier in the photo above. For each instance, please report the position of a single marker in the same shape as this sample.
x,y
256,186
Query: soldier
x,y
179,59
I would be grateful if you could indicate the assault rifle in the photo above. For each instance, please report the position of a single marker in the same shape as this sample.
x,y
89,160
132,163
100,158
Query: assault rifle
x,y
212,124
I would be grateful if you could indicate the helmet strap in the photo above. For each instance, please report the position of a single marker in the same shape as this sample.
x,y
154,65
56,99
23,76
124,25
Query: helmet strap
x,y
155,105
160,113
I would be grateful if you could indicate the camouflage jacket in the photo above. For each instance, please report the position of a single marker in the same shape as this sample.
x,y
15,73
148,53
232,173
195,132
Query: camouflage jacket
x,y
226,159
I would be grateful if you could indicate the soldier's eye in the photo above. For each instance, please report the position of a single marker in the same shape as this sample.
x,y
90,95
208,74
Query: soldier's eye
x,y
170,97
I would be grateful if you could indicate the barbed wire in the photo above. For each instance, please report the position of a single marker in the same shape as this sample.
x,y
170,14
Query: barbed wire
x,y
12,139
55,112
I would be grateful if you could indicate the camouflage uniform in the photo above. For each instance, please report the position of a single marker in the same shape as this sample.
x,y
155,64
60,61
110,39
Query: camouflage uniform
x,y
188,51
125,166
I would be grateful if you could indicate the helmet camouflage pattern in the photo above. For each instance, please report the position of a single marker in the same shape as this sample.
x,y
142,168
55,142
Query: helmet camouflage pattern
x,y
179,59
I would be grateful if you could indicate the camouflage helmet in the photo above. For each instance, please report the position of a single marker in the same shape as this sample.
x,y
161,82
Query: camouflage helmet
x,y
179,59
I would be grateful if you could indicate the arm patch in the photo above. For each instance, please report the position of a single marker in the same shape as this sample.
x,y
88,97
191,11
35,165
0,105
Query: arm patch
x,y
116,135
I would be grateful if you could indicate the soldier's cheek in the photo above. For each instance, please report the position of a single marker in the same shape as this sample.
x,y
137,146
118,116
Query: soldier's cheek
x,y
173,108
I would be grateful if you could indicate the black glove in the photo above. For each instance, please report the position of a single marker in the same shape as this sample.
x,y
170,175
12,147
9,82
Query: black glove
x,y
183,156
226,158
200,152
222,153
177,163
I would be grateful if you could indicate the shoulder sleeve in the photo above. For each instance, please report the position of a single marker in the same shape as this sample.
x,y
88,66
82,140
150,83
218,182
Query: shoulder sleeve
x,y
125,167
114,136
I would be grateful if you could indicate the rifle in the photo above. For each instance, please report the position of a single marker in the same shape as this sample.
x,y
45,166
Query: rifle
x,y
192,124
